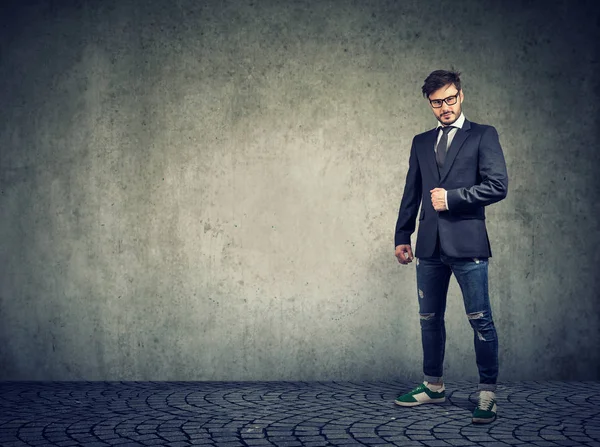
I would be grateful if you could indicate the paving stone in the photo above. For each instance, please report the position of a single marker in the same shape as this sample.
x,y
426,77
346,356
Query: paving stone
x,y
337,436
447,435
225,439
409,444
460,442
96,444
511,441
311,438
371,441
154,442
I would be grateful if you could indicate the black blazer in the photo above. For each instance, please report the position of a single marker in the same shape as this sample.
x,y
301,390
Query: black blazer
x,y
474,175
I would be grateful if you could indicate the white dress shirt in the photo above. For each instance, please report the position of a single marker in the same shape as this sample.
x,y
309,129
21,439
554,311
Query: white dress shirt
x,y
458,124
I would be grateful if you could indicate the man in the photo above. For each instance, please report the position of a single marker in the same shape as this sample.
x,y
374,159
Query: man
x,y
457,169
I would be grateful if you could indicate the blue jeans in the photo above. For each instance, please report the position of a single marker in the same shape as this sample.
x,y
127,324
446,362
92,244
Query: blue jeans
x,y
433,277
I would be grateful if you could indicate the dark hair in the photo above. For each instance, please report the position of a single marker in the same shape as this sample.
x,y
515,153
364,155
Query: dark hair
x,y
438,79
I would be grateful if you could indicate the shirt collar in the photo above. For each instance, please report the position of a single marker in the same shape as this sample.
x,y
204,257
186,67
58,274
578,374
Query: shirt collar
x,y
458,123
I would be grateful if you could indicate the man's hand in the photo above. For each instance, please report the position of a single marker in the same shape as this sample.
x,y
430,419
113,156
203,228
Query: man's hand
x,y
438,199
404,254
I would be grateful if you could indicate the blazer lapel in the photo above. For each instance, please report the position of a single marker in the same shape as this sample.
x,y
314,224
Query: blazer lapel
x,y
459,138
430,153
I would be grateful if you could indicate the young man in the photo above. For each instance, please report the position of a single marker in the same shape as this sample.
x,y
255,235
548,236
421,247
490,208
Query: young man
x,y
457,169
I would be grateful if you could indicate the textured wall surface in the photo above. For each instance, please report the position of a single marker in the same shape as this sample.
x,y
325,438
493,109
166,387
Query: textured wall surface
x,y
207,190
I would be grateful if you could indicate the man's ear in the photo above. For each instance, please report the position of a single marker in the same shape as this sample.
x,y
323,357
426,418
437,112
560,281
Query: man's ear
x,y
462,96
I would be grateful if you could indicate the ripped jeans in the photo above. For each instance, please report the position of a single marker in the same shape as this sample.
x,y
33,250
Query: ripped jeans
x,y
433,277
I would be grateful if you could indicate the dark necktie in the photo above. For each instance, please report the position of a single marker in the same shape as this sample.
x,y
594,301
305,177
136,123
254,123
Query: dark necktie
x,y
442,147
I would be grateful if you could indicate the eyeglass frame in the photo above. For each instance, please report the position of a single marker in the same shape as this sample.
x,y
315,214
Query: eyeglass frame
x,y
445,100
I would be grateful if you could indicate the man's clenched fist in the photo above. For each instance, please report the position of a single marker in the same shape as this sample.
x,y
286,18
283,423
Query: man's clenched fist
x,y
404,254
438,199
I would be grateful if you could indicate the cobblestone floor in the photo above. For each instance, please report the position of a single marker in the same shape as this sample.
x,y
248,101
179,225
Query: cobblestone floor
x,y
290,414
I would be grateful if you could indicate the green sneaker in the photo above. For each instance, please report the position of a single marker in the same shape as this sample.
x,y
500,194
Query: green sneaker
x,y
486,408
421,395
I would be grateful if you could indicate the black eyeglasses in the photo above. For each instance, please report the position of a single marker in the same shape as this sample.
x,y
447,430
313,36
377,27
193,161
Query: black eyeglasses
x,y
450,100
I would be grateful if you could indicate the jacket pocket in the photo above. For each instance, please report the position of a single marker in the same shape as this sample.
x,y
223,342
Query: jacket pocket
x,y
467,215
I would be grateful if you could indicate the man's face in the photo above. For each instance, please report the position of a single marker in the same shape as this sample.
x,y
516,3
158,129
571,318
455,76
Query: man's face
x,y
446,114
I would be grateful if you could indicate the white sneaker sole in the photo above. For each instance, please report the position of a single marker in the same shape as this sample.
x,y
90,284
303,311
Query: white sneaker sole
x,y
439,400
483,420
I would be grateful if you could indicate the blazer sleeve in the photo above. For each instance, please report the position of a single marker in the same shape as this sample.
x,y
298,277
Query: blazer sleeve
x,y
411,199
494,178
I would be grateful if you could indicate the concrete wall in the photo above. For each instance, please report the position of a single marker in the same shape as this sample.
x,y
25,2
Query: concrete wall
x,y
207,190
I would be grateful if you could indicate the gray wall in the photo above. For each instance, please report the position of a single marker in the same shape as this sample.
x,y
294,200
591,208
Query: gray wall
x,y
207,190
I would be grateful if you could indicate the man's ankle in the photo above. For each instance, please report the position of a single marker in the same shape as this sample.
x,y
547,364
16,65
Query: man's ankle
x,y
434,386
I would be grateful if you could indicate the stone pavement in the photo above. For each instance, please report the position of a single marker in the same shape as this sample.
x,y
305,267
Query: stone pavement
x,y
290,414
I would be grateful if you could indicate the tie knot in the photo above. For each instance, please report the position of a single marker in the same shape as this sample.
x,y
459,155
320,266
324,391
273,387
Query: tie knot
x,y
447,129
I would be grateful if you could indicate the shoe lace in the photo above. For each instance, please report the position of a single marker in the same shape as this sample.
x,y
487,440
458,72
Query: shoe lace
x,y
418,389
486,398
